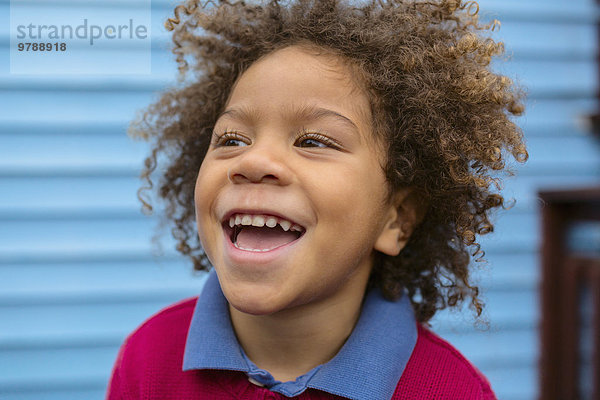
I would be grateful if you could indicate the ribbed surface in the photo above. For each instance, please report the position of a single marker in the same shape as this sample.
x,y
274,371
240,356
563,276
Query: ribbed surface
x,y
76,265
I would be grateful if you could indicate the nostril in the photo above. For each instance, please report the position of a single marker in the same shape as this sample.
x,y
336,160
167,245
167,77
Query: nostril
x,y
254,178
233,177
269,177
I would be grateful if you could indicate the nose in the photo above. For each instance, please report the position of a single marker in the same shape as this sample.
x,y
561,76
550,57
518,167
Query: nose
x,y
261,163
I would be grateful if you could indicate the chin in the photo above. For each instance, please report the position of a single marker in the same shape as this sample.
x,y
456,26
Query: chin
x,y
253,300
254,306
253,309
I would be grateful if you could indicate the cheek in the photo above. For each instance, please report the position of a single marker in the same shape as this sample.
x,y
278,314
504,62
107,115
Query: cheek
x,y
199,193
203,198
198,205
350,200
205,187
361,202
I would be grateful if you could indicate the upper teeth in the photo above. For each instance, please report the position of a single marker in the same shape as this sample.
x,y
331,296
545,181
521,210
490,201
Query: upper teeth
x,y
262,220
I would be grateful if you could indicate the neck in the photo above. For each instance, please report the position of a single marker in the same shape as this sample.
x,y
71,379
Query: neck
x,y
291,342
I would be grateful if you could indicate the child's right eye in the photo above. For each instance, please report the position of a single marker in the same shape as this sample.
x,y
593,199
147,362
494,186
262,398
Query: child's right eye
x,y
230,139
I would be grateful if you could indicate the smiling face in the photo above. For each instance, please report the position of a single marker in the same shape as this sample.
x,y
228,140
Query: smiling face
x,y
291,199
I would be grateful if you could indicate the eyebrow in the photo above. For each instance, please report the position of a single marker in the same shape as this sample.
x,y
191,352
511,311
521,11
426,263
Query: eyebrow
x,y
303,113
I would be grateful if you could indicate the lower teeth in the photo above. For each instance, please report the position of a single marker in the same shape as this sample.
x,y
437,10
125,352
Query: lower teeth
x,y
256,250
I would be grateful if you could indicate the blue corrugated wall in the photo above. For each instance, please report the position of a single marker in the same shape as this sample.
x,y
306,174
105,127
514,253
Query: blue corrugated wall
x,y
77,267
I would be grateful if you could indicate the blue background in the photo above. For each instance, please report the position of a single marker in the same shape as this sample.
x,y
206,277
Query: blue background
x,y
78,270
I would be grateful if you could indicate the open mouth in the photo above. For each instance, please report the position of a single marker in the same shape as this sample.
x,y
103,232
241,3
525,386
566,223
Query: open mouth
x,y
260,233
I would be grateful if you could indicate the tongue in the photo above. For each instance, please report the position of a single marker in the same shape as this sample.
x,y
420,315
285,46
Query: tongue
x,y
255,238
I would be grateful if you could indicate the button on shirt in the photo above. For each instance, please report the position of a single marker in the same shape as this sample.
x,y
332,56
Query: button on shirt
x,y
368,366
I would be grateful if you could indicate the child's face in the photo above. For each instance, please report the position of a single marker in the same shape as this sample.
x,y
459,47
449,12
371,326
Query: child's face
x,y
294,144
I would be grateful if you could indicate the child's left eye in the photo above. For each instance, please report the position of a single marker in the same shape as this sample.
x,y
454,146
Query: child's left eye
x,y
313,139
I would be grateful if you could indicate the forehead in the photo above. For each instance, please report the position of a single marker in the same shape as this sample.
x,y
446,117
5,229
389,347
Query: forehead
x,y
302,113
300,81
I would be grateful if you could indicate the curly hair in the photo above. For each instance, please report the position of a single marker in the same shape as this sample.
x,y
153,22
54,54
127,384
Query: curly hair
x,y
444,116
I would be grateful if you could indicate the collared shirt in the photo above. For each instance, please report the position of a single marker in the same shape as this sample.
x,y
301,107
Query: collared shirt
x,y
368,366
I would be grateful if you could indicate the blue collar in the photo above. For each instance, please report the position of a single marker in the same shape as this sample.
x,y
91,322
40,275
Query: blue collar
x,y
368,366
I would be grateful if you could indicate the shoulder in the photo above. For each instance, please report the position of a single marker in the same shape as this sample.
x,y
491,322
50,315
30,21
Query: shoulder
x,y
180,313
155,349
437,370
171,322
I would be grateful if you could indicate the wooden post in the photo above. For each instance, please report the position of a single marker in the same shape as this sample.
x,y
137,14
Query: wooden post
x,y
559,293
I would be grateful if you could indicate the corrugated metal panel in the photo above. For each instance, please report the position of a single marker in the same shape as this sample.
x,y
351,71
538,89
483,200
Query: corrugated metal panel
x,y
77,271
76,265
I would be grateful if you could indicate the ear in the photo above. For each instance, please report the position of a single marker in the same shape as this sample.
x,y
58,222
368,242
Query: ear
x,y
405,211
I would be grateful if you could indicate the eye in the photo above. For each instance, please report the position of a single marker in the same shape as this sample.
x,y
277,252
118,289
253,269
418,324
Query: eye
x,y
229,139
314,139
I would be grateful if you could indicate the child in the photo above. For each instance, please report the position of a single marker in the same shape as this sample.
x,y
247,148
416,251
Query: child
x,y
337,161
